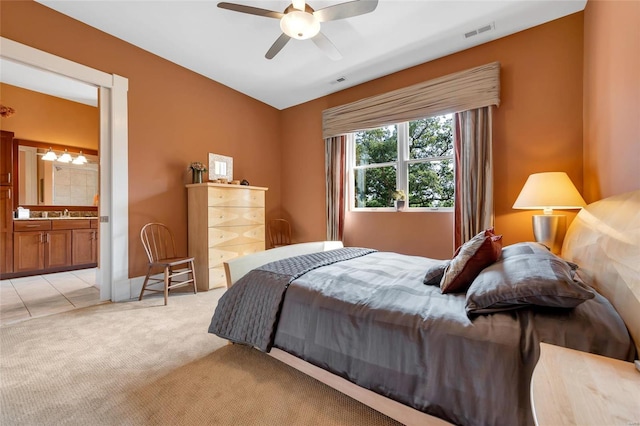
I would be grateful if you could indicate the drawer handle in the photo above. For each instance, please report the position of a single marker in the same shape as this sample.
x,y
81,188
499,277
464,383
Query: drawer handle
x,y
32,226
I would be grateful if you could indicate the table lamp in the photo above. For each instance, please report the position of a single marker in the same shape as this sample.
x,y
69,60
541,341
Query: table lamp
x,y
548,191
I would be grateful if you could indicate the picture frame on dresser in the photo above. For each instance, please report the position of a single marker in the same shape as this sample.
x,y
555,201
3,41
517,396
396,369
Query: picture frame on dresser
x,y
220,167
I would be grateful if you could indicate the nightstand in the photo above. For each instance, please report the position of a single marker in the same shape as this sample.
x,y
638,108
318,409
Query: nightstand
x,y
570,387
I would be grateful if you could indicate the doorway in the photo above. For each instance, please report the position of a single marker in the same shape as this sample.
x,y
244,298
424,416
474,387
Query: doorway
x,y
113,273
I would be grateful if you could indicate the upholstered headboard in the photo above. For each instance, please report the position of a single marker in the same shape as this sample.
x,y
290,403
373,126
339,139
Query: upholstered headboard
x,y
604,240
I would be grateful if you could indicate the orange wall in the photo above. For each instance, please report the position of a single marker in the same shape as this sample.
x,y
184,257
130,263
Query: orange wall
x,y
538,127
45,118
611,98
175,117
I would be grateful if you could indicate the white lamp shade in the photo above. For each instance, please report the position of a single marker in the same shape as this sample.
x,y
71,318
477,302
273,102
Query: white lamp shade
x,y
300,25
80,159
65,158
50,156
552,190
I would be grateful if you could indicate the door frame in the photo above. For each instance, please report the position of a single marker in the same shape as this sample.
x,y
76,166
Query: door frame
x,y
113,153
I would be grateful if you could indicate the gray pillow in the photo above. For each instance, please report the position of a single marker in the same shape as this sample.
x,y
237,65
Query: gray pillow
x,y
529,247
434,274
541,279
524,248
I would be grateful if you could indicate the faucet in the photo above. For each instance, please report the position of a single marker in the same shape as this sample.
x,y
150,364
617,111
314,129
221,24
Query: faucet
x,y
65,213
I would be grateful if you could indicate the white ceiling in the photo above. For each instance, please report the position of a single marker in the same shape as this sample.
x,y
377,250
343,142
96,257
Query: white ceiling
x,y
229,47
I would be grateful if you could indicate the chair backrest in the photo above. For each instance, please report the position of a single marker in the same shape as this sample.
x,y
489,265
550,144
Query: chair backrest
x,y
158,242
279,232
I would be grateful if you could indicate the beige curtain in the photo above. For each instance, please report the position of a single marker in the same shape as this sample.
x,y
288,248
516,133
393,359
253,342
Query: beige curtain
x,y
461,91
474,173
335,172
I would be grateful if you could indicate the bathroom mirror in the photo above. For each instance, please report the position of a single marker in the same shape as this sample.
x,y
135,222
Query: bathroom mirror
x,y
56,183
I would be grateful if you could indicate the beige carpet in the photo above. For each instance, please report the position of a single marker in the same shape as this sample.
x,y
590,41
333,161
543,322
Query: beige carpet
x,y
141,363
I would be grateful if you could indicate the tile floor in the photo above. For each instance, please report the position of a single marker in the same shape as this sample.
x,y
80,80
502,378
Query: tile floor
x,y
40,295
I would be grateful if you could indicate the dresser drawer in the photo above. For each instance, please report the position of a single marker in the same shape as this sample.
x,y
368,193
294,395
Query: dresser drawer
x,y
219,255
224,216
31,225
235,197
235,235
217,277
71,224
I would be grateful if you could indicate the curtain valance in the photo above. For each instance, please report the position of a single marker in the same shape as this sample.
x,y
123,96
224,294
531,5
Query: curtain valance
x,y
473,88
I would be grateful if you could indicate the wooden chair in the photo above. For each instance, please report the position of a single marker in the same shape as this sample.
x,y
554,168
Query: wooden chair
x,y
279,232
160,247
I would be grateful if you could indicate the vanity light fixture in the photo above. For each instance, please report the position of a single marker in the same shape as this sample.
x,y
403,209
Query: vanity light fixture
x,y
50,156
65,158
80,159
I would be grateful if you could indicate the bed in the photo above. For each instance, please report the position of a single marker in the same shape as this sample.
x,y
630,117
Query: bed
x,y
366,323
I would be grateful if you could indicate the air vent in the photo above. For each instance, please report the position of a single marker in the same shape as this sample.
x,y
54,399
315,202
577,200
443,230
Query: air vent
x,y
339,80
483,29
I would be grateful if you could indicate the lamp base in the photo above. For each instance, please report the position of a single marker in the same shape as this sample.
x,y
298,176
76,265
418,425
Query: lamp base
x,y
549,229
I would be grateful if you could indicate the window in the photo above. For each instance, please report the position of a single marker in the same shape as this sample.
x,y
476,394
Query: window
x,y
415,156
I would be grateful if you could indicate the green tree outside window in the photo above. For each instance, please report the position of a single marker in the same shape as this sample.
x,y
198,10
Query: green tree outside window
x,y
428,144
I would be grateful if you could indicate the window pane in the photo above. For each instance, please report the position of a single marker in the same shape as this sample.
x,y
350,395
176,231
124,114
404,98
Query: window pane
x,y
431,137
377,145
431,184
373,186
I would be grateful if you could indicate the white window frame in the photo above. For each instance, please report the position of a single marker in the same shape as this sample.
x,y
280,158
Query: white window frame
x,y
402,171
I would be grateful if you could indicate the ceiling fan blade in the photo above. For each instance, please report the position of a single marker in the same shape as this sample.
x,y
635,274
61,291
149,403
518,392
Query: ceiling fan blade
x,y
326,46
345,10
277,46
250,10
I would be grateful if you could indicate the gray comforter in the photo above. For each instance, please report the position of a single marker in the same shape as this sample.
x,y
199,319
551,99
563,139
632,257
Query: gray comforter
x,y
371,320
248,312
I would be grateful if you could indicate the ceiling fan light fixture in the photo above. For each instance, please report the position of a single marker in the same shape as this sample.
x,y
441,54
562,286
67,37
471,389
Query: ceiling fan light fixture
x,y
300,25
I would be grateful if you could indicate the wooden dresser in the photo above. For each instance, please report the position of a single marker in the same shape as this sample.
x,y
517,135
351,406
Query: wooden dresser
x,y
225,221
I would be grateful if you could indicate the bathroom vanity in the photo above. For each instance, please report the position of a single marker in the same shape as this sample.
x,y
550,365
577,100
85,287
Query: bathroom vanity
x,y
54,245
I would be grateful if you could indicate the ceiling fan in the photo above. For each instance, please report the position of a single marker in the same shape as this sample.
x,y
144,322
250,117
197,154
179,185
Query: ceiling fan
x,y
301,21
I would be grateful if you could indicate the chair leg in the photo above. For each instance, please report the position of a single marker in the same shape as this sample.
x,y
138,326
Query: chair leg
x,y
193,275
167,271
146,280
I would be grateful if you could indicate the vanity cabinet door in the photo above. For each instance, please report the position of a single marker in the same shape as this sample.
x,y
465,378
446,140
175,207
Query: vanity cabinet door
x,y
28,251
6,158
6,230
58,249
85,247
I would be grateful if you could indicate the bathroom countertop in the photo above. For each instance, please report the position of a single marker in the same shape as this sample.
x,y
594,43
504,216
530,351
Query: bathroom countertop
x,y
58,218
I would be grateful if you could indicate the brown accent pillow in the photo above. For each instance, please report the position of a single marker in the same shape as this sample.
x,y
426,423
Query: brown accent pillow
x,y
470,259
